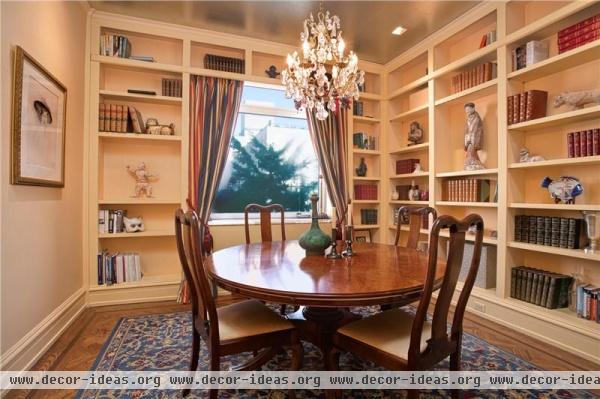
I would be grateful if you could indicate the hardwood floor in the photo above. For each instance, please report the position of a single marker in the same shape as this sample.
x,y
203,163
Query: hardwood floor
x,y
78,347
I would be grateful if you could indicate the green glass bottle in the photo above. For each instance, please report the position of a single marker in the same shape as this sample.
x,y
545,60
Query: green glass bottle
x,y
314,240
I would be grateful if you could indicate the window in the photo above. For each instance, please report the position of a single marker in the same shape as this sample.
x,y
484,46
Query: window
x,y
271,158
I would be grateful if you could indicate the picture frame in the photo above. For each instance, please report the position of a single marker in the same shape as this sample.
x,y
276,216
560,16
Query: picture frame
x,y
38,124
362,235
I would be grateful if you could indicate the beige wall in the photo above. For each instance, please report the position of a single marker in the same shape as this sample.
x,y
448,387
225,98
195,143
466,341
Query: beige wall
x,y
41,247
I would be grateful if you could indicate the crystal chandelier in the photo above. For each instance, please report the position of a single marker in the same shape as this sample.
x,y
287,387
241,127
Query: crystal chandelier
x,y
325,76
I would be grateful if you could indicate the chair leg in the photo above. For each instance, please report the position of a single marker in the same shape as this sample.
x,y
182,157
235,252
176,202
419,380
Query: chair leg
x,y
413,393
282,310
297,356
215,365
195,356
455,366
333,361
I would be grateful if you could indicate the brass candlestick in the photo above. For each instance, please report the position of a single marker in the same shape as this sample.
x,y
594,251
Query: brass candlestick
x,y
334,253
349,238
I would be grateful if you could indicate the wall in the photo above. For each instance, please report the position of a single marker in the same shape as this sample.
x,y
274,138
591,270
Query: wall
x,y
41,248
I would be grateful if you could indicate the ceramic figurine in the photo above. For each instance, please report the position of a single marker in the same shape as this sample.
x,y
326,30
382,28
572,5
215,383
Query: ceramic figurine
x,y
134,225
272,72
153,127
564,189
142,180
362,168
424,195
314,240
577,99
525,157
395,195
473,138
418,168
415,135
414,194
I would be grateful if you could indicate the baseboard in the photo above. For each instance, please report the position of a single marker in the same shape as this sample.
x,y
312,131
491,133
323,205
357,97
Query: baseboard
x,y
24,354
125,295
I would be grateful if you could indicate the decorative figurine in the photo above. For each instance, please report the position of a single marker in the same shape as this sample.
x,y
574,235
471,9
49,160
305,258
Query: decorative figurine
x,y
592,230
415,135
153,127
525,157
134,225
142,180
272,72
362,168
395,195
577,99
564,189
414,194
314,241
418,168
473,138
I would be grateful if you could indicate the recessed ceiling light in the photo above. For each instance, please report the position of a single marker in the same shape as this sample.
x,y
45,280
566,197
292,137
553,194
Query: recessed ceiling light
x,y
399,30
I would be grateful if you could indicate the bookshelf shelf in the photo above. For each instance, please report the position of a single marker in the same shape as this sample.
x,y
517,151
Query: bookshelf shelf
x,y
558,63
467,204
365,201
134,136
366,226
413,113
410,175
137,65
560,207
592,160
412,148
481,90
558,119
139,201
226,75
146,98
369,96
407,202
365,119
416,85
146,281
574,253
366,152
147,233
460,173
479,56
366,178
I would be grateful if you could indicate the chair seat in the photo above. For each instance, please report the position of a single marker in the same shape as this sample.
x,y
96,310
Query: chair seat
x,y
247,319
387,331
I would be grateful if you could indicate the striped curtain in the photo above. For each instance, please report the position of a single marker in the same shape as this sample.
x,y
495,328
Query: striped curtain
x,y
214,105
329,138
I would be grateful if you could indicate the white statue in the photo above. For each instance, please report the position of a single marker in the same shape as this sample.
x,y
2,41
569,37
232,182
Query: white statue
x,y
133,225
473,138
525,157
418,168
577,99
142,180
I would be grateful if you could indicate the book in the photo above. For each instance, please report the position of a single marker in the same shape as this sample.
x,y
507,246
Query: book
x,y
536,104
535,51
101,117
577,144
523,104
516,107
596,141
137,123
113,118
570,145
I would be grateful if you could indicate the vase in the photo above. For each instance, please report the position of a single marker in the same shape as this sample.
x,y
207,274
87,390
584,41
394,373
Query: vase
x,y
314,240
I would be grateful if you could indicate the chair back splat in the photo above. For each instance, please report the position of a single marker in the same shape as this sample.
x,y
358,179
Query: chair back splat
x,y
415,221
265,211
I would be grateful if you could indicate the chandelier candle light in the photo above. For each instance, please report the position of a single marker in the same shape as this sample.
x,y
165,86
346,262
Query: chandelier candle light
x,y
326,77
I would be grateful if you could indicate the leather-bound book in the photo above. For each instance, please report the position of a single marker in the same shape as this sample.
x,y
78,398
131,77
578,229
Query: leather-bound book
x,y
113,117
534,286
577,144
513,282
101,117
523,104
583,143
528,285
545,289
516,108
536,104
571,144
590,143
596,141
510,103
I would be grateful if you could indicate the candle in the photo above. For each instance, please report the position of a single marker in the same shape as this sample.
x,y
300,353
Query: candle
x,y
333,218
349,217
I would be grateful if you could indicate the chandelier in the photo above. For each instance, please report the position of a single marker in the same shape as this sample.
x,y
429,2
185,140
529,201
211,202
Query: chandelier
x,y
326,76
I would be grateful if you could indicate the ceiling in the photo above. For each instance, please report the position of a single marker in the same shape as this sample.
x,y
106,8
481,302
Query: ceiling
x,y
366,25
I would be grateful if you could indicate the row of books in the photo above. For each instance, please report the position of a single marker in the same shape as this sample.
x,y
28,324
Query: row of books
x,y
488,39
111,221
368,216
404,218
357,108
364,141
549,231
528,54
171,87
115,46
539,287
579,34
225,64
118,267
466,190
404,166
473,77
365,192
586,302
120,119
526,106
585,143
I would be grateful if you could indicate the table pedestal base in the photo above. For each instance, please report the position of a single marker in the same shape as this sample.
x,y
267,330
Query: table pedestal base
x,y
317,325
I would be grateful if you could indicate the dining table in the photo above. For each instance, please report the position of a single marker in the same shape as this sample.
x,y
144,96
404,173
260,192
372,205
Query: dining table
x,y
324,289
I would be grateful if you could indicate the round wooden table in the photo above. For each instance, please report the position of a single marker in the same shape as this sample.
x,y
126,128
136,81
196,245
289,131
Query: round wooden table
x,y
280,272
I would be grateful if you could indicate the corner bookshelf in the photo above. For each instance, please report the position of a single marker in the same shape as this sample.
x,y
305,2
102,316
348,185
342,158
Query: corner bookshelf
x,y
426,71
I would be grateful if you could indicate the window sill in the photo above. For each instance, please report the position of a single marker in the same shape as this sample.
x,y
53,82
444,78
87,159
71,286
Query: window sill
x,y
238,222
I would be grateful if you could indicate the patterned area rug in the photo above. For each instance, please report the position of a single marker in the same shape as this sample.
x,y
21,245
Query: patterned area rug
x,y
163,342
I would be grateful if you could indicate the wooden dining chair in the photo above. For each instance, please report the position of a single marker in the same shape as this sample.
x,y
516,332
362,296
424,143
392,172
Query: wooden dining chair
x,y
265,211
415,221
400,340
247,326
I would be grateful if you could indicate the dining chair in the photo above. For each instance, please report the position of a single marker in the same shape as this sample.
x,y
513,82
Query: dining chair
x,y
399,339
247,326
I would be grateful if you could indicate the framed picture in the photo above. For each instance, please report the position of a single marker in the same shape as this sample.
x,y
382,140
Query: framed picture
x,y
38,125
362,235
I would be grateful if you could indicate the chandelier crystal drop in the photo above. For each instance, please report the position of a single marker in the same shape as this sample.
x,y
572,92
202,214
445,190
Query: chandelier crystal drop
x,y
325,77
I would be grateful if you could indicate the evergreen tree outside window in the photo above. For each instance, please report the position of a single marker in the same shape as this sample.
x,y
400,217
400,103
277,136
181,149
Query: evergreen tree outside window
x,y
271,158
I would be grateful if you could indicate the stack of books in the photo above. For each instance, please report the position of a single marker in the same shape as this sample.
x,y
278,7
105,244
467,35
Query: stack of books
x,y
473,77
113,118
364,141
115,46
579,34
549,231
111,221
225,64
365,192
585,143
357,108
586,302
526,106
528,54
404,166
368,216
539,287
118,268
171,87
487,39
466,190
